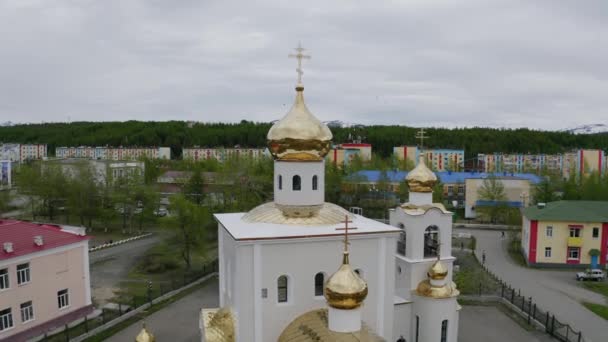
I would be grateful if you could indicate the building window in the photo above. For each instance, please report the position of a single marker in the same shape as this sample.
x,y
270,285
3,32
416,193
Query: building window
x,y
547,252
596,232
444,330
6,319
575,232
315,182
319,283
4,279
401,243
461,190
297,183
280,182
23,273
573,253
417,327
549,231
282,289
27,312
431,241
63,299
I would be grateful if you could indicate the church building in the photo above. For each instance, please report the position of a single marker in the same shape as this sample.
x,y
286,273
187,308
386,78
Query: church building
x,y
280,275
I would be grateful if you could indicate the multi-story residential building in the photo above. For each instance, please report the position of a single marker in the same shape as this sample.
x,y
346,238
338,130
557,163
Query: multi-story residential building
x,y
437,159
566,233
44,278
5,174
571,163
222,154
104,171
19,153
113,153
517,190
343,154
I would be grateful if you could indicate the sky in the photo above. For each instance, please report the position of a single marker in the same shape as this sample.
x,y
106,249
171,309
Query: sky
x,y
443,63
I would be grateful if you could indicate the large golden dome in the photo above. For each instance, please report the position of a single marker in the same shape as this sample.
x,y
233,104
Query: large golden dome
x,y
299,135
345,289
421,178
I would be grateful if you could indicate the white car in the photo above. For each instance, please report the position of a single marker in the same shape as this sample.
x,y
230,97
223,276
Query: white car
x,y
594,274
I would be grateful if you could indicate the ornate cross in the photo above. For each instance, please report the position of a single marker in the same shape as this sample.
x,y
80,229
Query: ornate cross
x,y
299,56
345,229
420,135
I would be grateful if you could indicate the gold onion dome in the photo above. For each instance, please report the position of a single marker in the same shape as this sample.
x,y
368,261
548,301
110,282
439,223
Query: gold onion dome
x,y
436,286
299,135
144,335
421,178
438,271
345,289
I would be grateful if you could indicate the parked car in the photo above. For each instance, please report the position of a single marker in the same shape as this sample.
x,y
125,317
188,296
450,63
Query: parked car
x,y
161,212
594,274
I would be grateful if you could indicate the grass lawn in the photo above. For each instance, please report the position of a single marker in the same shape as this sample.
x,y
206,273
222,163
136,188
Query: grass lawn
x,y
471,277
514,249
163,266
597,286
599,309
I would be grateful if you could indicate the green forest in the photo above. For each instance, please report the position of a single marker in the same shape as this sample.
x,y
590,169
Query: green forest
x,y
179,134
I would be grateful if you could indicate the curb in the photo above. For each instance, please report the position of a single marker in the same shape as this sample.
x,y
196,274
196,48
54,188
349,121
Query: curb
x,y
108,245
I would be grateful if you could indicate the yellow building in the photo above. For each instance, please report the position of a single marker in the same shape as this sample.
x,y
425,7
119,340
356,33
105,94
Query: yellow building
x,y
566,233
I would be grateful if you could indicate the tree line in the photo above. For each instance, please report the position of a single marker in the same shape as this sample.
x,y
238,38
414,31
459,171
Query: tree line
x,y
180,134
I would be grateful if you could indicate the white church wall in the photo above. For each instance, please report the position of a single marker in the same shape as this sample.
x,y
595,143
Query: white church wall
x,y
432,312
402,324
306,196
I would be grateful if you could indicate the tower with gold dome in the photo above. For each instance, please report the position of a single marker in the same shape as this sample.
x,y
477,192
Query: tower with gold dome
x,y
423,282
275,261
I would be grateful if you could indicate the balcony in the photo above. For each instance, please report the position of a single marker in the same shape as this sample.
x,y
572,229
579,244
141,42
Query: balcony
x,y
575,242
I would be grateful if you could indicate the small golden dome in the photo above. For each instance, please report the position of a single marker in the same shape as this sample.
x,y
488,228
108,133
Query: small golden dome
x,y
426,289
421,178
299,135
144,335
345,289
438,271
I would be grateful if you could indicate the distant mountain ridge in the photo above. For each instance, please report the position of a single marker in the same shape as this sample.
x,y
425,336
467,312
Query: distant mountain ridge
x,y
588,129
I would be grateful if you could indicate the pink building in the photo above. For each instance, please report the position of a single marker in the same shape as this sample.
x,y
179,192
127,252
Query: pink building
x,y
44,278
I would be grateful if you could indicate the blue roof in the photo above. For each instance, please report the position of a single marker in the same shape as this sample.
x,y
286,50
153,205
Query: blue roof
x,y
510,204
449,177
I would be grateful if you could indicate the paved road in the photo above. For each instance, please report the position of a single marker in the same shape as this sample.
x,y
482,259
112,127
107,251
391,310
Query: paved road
x,y
110,266
553,290
178,321
488,323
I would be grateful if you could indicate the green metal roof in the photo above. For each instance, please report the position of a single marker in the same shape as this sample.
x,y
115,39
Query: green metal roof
x,y
573,211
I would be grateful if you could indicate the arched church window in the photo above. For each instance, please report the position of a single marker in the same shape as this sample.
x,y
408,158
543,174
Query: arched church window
x,y
319,283
401,243
280,182
431,241
282,289
315,182
297,183
444,330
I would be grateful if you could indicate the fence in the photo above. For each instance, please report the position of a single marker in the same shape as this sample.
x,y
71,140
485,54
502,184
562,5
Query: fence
x,y
531,311
127,304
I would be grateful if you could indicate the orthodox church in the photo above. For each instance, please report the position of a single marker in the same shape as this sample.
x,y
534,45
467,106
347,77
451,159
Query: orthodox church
x,y
302,269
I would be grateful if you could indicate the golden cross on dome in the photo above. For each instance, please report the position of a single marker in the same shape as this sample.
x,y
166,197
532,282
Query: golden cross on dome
x,y
345,229
420,135
299,56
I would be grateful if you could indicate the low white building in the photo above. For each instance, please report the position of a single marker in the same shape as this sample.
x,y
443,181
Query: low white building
x,y
5,174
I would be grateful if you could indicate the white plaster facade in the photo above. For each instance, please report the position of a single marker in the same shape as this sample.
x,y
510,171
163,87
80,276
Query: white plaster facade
x,y
308,194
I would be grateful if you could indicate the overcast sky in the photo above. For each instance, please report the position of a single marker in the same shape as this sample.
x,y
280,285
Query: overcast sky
x,y
539,64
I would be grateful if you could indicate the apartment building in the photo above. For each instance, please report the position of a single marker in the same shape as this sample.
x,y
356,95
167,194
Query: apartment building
x,y
104,171
222,154
113,153
343,154
566,233
436,159
44,278
19,153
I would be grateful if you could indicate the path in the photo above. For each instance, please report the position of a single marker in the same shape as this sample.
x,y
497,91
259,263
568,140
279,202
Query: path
x,y
552,290
110,266
179,320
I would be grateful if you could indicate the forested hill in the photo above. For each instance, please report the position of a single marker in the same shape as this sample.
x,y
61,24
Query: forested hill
x,y
178,134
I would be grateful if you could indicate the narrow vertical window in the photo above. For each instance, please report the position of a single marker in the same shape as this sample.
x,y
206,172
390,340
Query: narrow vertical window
x,y
4,284
280,182
27,311
6,319
417,328
297,183
63,299
23,273
444,330
282,289
315,182
596,232
319,282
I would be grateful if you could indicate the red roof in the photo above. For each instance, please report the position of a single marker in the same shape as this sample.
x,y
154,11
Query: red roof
x,y
22,233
